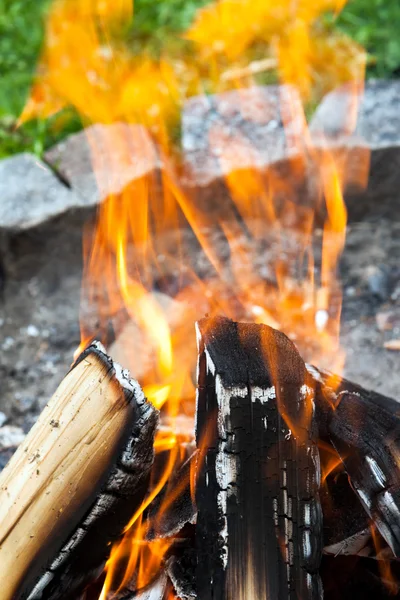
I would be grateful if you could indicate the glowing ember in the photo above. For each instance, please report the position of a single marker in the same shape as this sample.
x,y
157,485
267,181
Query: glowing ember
x,y
131,250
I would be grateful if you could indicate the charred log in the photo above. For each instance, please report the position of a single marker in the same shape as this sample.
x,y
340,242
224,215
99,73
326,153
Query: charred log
x,y
75,481
173,508
346,524
182,572
156,590
364,428
259,522
357,578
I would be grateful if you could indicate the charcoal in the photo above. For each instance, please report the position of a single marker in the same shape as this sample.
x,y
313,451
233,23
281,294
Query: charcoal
x,y
182,572
357,578
259,522
166,517
364,428
156,590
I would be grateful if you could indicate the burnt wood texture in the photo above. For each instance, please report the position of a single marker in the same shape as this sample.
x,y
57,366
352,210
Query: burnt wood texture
x,y
259,522
364,428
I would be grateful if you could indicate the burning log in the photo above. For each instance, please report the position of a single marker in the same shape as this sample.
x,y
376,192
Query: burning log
x,y
74,483
173,508
259,523
364,428
182,573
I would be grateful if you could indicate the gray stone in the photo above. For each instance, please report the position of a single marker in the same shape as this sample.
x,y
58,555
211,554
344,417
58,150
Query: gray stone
x,y
5,456
31,194
10,436
261,129
104,159
364,127
24,404
370,116
240,129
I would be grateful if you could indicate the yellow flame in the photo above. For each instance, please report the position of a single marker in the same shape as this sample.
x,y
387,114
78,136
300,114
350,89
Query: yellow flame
x,y
85,64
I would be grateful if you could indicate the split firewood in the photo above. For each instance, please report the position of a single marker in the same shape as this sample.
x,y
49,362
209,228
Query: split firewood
x,y
156,590
182,572
174,507
357,578
364,428
346,528
75,481
259,520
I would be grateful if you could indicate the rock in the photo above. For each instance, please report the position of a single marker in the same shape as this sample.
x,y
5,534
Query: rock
x,y
24,403
377,120
239,129
104,159
10,436
227,133
378,279
31,194
376,136
3,419
5,456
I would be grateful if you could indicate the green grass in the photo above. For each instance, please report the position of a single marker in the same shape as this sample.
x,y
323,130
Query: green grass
x,y
21,32
156,20
21,35
373,23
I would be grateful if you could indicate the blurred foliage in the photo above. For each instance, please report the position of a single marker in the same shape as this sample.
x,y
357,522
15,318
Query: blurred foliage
x,y
156,20
372,23
21,35
375,24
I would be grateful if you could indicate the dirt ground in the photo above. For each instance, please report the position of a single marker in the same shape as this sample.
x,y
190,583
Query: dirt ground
x,y
40,298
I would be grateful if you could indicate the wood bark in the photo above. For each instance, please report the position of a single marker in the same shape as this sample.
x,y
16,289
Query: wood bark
x,y
60,493
259,522
167,518
364,428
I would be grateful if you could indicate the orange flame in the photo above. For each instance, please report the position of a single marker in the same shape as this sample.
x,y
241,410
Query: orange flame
x,y
331,461
137,169
388,579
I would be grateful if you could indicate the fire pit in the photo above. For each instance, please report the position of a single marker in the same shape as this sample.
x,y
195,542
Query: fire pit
x,y
216,436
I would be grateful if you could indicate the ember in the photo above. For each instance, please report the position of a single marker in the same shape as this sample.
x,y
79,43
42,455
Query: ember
x,y
245,492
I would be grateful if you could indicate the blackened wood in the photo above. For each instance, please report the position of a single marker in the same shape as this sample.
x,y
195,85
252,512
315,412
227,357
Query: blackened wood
x,y
174,506
367,438
345,524
364,427
357,578
259,523
156,590
182,572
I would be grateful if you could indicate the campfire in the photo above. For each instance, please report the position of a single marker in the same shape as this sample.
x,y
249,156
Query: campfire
x,y
194,450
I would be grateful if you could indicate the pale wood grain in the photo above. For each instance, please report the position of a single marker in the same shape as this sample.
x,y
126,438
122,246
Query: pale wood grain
x,y
49,482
